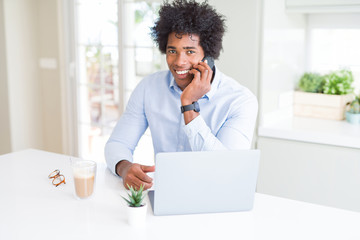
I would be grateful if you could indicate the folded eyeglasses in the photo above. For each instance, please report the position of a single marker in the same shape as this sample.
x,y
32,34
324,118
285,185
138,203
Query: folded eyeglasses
x,y
57,178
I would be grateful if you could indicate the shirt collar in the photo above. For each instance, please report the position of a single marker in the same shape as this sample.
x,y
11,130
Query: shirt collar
x,y
209,95
172,83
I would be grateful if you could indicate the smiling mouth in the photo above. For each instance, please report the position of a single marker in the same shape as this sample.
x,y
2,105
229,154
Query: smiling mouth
x,y
182,72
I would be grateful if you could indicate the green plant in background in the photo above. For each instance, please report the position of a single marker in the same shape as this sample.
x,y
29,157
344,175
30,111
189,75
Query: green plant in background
x,y
311,82
339,82
144,10
136,197
355,106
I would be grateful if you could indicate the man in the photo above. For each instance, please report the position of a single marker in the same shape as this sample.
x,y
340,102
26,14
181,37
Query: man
x,y
191,107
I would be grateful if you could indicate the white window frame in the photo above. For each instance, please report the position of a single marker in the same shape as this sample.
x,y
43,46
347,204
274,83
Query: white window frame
x,y
68,76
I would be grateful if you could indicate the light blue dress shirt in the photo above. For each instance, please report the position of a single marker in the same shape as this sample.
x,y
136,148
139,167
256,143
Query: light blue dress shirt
x,y
227,118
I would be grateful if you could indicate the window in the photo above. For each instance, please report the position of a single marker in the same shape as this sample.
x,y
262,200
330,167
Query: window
x,y
98,92
138,45
334,43
109,66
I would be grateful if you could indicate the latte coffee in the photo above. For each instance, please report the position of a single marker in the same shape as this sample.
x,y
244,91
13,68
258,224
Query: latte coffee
x,y
84,186
84,178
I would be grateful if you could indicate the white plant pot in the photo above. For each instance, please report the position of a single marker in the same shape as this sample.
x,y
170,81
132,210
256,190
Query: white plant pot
x,y
137,215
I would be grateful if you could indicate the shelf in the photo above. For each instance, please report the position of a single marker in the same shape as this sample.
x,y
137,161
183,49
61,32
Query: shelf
x,y
330,132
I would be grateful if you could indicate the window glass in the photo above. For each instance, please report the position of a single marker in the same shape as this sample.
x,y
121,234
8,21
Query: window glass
x,y
97,22
334,44
145,58
98,77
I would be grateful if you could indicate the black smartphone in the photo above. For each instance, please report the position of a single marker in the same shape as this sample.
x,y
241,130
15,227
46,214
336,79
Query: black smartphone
x,y
210,61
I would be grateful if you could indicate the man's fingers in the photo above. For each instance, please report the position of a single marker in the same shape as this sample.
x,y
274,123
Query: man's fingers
x,y
143,177
137,183
147,168
208,69
200,68
136,176
196,73
142,174
205,76
141,171
205,71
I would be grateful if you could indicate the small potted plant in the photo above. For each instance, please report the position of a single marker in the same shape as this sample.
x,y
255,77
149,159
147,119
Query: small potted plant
x,y
338,82
311,82
324,97
137,209
353,113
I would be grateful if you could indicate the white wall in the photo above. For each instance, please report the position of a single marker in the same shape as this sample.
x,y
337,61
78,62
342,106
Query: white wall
x,y
30,95
22,74
48,48
240,57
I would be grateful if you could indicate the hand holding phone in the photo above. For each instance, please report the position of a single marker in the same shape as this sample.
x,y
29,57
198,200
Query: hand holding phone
x,y
201,83
199,86
210,61
205,66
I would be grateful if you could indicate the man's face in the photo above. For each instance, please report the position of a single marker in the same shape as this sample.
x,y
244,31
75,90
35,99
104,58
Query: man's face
x,y
182,52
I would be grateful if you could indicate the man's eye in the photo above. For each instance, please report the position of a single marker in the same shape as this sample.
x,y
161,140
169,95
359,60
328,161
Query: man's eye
x,y
191,52
171,51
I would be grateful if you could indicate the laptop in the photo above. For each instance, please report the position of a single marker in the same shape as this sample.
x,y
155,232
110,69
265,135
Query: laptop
x,y
204,182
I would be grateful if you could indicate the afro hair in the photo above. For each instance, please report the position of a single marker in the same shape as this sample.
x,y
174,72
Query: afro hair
x,y
190,17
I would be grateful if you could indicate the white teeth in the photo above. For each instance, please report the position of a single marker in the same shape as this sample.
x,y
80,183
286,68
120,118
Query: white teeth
x,y
182,72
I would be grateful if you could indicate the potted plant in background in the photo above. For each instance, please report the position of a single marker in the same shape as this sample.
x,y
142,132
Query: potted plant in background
x,y
311,82
339,83
353,113
137,210
324,96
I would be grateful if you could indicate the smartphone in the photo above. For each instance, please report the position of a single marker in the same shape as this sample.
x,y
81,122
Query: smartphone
x,y
210,61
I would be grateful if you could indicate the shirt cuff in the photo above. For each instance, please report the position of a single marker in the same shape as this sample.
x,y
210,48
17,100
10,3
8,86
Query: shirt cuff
x,y
114,153
194,127
200,136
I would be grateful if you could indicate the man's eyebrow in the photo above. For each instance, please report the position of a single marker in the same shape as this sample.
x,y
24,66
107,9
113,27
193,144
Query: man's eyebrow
x,y
172,47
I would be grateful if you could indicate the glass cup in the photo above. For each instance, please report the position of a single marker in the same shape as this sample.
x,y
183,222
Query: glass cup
x,y
84,172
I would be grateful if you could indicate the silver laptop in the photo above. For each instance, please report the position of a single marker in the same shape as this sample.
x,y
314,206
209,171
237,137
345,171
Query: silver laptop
x,y
204,182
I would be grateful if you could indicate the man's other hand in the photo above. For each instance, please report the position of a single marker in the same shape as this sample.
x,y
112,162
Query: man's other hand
x,y
134,174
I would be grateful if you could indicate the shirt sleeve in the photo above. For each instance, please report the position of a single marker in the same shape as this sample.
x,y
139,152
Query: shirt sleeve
x,y
128,130
235,133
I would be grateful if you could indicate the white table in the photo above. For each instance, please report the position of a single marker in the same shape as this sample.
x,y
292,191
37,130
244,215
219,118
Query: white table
x,y
32,208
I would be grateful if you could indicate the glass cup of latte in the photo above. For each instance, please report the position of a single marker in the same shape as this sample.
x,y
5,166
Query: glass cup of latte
x,y
84,172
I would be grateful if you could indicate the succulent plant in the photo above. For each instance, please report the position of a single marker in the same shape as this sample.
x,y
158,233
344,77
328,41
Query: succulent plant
x,y
355,105
136,197
339,82
311,82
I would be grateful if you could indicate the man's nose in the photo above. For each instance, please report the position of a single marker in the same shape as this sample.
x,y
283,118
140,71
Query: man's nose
x,y
181,59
